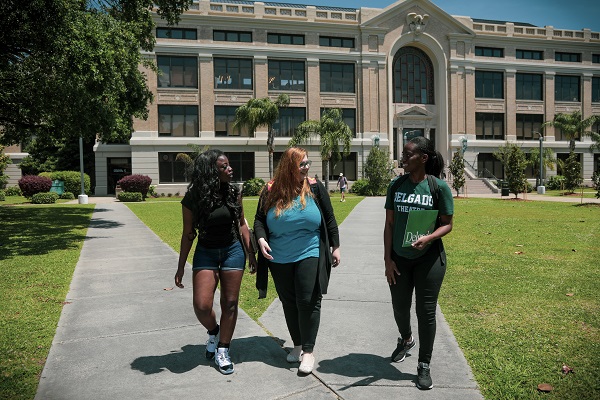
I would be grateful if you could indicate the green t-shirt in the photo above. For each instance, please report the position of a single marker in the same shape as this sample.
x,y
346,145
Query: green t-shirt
x,y
414,196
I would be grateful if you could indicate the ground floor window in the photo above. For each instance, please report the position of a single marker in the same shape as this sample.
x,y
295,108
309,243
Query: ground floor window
x,y
561,158
242,164
597,163
170,170
347,165
489,166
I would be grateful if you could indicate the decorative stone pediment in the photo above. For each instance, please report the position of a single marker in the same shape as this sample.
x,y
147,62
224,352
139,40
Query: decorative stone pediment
x,y
414,111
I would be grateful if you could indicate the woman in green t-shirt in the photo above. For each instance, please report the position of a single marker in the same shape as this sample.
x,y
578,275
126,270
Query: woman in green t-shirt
x,y
419,266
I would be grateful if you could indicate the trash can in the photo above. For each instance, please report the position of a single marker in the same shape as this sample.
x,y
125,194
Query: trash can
x,y
504,188
58,187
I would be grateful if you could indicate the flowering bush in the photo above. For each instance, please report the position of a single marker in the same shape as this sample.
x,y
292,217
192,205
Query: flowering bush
x,y
135,183
32,184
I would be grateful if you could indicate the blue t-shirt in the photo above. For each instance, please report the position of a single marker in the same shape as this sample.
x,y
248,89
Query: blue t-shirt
x,y
294,235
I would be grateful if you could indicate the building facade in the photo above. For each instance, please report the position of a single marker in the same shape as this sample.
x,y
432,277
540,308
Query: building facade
x,y
407,70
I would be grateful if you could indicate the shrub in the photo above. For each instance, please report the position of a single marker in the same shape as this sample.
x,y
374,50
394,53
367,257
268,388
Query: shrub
x,y
44,198
378,170
13,191
71,179
67,196
572,172
596,183
129,196
252,187
556,182
2,197
135,183
152,191
360,187
528,187
32,184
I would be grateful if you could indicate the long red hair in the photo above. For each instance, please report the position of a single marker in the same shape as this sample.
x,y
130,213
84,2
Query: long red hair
x,y
285,187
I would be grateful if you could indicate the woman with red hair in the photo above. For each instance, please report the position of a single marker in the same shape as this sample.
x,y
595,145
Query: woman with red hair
x,y
298,236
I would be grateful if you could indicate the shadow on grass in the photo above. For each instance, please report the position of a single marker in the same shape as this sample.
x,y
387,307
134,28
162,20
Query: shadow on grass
x,y
28,231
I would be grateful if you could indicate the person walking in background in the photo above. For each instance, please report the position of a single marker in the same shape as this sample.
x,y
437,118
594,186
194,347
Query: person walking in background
x,y
420,266
212,210
297,233
343,184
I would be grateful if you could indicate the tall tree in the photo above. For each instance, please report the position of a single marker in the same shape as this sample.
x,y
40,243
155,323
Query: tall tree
x,y
457,169
70,68
573,126
259,112
378,170
4,161
514,162
331,130
572,172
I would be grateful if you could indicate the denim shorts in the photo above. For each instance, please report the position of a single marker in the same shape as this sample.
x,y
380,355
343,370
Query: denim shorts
x,y
230,258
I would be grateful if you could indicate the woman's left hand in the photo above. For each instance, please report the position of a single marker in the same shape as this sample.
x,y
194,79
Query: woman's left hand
x,y
421,243
336,257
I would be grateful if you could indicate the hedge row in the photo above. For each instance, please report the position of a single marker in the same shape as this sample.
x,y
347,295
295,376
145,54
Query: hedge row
x,y
71,179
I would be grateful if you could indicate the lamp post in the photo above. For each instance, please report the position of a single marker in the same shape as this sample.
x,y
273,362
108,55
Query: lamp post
x,y
82,198
541,189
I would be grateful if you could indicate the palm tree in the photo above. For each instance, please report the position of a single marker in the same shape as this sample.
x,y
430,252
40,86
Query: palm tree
x,y
573,126
332,130
257,112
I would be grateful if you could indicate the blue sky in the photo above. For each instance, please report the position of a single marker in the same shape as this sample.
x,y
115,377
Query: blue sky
x,y
562,14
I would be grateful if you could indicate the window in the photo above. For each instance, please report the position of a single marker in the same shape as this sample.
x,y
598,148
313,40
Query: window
x,y
567,88
177,121
530,86
281,38
597,163
530,55
489,84
489,52
337,77
564,157
488,164
347,165
176,33
413,77
596,89
232,36
286,75
177,71
489,126
527,124
289,119
567,57
242,164
559,135
170,170
224,118
348,116
596,58
233,73
330,41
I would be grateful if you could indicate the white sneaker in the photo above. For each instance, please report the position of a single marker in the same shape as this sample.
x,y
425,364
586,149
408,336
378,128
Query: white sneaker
x,y
211,345
295,355
223,361
307,364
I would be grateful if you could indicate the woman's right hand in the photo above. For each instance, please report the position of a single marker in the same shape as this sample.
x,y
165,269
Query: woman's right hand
x,y
391,270
264,248
179,277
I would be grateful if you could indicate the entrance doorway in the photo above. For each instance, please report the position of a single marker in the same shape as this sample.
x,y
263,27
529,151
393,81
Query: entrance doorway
x,y
117,168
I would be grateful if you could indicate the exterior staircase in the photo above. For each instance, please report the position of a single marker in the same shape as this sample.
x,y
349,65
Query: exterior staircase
x,y
475,186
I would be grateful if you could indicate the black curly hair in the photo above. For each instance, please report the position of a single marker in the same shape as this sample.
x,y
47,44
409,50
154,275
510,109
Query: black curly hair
x,y
435,162
208,192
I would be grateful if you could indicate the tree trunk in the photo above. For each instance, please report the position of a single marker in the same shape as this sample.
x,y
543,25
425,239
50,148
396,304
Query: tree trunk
x,y
270,165
327,175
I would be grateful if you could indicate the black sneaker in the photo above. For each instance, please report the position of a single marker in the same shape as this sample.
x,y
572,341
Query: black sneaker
x,y
424,377
402,349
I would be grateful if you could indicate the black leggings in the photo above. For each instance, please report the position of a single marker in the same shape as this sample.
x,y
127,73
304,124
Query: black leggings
x,y
425,275
296,285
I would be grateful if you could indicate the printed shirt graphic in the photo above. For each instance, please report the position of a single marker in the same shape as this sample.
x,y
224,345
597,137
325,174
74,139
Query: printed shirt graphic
x,y
414,196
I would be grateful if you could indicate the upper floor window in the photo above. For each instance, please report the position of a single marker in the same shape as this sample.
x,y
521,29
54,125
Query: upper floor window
x,y
337,77
489,84
177,71
489,126
527,124
568,57
224,118
489,52
596,58
530,55
286,75
330,41
596,89
567,88
348,116
413,77
232,36
289,119
176,33
284,38
177,120
233,73
529,86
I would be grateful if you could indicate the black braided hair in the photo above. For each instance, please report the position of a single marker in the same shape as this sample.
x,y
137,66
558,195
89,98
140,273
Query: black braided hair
x,y
208,192
435,161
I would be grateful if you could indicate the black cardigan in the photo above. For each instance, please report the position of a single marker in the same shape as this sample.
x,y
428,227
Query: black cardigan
x,y
329,237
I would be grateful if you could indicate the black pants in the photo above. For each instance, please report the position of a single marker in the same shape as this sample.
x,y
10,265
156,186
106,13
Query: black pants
x,y
296,285
425,275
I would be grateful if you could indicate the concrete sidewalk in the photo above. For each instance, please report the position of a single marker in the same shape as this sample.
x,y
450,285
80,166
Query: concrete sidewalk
x,y
122,335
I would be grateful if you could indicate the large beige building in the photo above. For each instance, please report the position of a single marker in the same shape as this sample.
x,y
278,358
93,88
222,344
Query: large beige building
x,y
407,70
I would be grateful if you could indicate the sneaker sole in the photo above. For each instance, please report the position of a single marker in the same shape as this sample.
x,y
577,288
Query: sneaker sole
x,y
226,371
424,387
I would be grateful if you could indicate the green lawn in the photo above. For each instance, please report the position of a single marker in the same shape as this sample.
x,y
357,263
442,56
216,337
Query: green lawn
x,y
38,259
